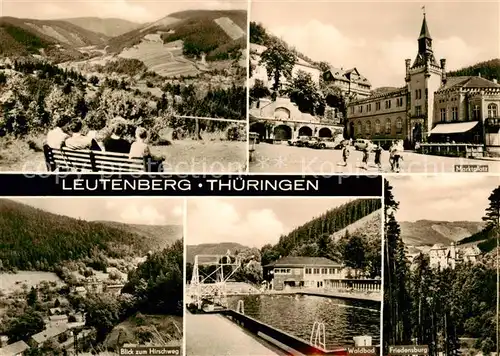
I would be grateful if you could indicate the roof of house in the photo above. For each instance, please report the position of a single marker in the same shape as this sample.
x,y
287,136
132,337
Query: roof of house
x,y
14,349
290,261
345,75
49,333
58,317
468,82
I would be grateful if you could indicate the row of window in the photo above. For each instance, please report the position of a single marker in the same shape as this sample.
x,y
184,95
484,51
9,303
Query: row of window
x,y
476,112
378,127
321,271
388,104
282,271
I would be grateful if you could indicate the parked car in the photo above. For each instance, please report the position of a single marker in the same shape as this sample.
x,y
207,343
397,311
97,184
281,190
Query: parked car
x,y
316,142
361,144
301,141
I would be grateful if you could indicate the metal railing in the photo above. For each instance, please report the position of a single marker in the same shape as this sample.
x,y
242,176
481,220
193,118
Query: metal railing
x,y
467,150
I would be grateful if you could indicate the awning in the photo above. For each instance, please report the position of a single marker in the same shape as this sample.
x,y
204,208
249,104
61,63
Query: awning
x,y
455,127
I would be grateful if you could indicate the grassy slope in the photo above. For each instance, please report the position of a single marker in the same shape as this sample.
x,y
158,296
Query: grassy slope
x,y
196,25
368,226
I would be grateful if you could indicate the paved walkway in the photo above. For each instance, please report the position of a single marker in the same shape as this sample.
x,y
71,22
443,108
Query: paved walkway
x,y
214,335
275,158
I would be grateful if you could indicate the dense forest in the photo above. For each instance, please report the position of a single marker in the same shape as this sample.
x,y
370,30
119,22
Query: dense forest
x,y
328,223
47,93
314,239
488,69
434,307
32,239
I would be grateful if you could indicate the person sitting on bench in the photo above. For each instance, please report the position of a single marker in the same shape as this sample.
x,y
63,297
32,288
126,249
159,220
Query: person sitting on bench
x,y
140,149
115,143
77,141
57,136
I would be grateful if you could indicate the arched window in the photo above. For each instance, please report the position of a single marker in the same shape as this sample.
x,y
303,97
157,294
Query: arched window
x,y
388,126
399,125
368,127
359,129
492,110
377,127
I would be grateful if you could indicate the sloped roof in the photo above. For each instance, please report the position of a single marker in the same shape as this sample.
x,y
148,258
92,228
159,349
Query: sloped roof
x,y
14,349
471,82
49,333
291,261
344,75
424,30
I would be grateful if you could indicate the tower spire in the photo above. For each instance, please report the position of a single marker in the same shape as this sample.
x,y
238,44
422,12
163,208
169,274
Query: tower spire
x,y
424,30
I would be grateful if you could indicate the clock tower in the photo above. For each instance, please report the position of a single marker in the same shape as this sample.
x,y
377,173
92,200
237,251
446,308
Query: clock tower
x,y
425,54
423,79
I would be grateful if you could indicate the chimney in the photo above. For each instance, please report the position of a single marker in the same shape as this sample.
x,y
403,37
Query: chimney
x,y
495,80
479,75
407,64
443,71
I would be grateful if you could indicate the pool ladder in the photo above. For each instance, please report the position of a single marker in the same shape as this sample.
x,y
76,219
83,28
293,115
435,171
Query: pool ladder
x,y
318,335
240,308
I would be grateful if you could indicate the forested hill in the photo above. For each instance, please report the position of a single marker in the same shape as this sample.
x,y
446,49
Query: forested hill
x,y
31,238
319,230
488,69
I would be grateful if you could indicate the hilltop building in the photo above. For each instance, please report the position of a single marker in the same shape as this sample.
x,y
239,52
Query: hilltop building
x,y
442,257
430,106
314,272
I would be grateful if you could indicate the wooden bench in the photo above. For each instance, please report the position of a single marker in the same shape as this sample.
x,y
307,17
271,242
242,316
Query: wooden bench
x,y
66,160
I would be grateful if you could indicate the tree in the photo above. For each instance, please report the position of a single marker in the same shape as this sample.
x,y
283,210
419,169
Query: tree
x,y
259,90
279,61
32,297
303,91
23,327
397,301
353,252
492,218
258,33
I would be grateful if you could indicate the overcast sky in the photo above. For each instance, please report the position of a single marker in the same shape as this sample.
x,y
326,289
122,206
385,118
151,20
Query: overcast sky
x,y
248,221
149,211
137,10
376,37
447,197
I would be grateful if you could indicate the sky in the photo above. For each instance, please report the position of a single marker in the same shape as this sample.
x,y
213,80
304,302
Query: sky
x,y
376,37
444,198
137,11
252,222
148,211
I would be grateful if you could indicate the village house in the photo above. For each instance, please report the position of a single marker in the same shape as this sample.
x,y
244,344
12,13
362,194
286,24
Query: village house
x,y
15,349
56,320
48,334
442,257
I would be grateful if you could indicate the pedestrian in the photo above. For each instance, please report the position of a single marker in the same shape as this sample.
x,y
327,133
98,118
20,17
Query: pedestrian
x,y
366,155
378,154
345,153
392,150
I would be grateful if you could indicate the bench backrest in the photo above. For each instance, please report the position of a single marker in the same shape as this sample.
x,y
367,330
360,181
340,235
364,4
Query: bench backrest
x,y
93,161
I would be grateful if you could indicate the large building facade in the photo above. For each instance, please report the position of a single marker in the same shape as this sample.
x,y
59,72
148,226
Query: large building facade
x,y
430,107
316,272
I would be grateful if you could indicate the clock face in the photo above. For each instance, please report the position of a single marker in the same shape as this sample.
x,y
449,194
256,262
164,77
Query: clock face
x,y
428,42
